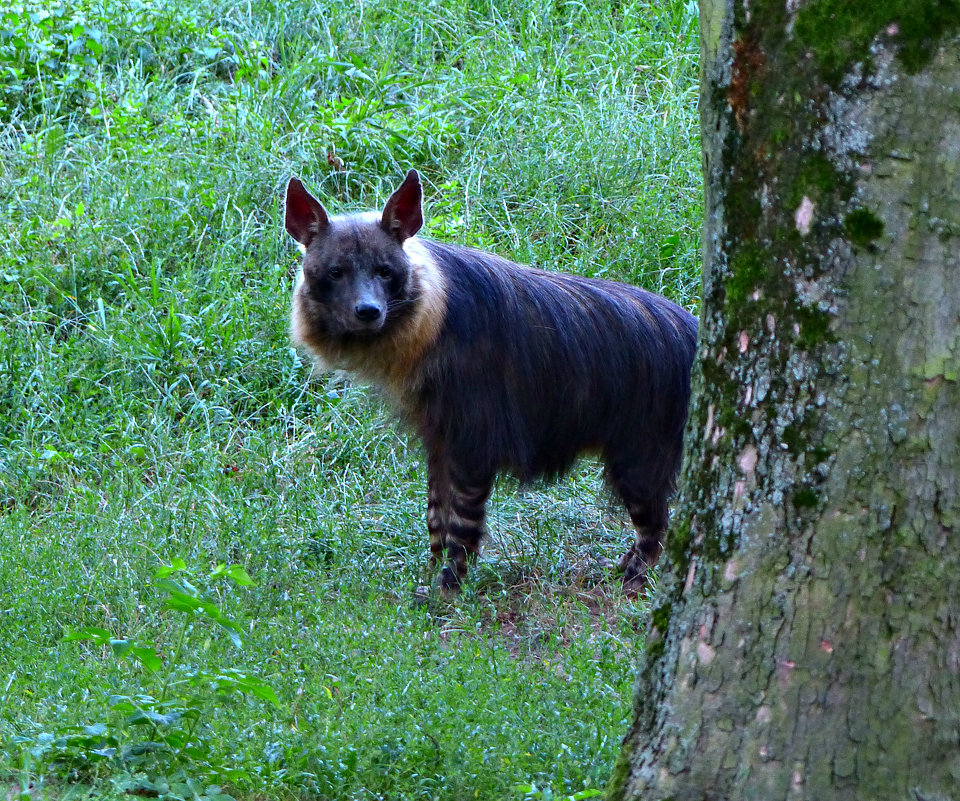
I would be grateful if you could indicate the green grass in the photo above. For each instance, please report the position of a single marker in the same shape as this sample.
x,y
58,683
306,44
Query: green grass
x,y
151,407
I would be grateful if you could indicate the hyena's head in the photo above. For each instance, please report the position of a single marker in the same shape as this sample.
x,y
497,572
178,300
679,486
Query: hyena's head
x,y
357,282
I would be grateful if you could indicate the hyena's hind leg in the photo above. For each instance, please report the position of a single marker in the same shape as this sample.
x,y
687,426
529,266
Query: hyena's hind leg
x,y
456,517
649,513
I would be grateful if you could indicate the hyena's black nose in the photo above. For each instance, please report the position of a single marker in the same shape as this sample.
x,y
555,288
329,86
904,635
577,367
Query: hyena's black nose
x,y
367,312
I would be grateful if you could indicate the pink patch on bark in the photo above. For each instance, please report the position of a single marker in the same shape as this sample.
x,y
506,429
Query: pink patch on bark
x,y
803,216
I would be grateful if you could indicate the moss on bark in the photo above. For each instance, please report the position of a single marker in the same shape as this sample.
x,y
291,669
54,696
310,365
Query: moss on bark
x,y
811,591
839,33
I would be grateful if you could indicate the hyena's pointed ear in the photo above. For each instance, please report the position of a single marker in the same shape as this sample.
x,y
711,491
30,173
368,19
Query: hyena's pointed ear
x,y
304,217
403,216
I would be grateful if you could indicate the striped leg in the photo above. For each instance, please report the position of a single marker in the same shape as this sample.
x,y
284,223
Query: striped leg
x,y
455,519
465,528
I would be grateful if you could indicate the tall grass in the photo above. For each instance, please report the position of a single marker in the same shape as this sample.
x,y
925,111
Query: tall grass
x,y
151,407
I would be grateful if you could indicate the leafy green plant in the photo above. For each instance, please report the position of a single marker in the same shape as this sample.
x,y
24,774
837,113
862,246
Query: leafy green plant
x,y
47,53
156,736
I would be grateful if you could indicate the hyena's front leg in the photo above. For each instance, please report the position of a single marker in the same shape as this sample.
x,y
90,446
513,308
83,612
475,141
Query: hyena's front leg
x,y
465,529
456,513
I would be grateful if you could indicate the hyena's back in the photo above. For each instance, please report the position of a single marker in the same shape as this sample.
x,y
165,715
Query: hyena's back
x,y
533,368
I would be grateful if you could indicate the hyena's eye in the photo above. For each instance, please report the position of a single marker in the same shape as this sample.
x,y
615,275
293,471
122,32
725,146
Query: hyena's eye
x,y
335,273
383,271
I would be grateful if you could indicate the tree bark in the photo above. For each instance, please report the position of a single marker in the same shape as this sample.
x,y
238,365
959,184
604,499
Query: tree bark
x,y
805,637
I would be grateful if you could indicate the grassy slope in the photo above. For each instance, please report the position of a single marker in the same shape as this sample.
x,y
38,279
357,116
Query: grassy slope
x,y
150,405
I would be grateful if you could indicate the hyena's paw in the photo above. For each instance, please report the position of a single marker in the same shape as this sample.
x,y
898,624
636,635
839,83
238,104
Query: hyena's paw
x,y
449,583
634,569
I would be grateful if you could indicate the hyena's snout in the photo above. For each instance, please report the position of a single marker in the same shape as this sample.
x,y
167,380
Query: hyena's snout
x,y
365,308
368,311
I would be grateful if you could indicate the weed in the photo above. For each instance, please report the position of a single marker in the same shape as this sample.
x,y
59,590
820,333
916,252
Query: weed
x,y
156,738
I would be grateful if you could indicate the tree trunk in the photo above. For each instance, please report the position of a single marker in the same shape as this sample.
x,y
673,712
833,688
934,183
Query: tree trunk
x,y
805,638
